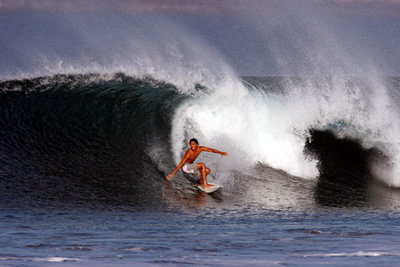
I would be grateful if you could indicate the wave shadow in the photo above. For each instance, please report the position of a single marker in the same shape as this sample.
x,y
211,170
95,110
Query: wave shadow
x,y
345,169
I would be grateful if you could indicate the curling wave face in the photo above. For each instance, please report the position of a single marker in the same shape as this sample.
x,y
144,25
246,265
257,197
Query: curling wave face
x,y
70,136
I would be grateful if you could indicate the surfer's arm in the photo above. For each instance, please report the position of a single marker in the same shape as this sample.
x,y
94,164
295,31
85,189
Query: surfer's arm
x,y
208,149
180,165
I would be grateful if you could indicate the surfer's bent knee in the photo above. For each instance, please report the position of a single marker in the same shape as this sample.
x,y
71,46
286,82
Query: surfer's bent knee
x,y
201,165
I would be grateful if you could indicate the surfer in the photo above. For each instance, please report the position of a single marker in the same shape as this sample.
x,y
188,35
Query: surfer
x,y
187,163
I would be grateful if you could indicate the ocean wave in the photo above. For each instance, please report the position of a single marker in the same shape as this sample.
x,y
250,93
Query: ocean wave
x,y
117,135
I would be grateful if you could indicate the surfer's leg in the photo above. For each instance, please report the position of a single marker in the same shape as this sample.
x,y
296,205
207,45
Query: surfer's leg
x,y
204,172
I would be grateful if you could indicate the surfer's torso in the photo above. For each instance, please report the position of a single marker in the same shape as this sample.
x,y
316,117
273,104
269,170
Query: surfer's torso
x,y
193,154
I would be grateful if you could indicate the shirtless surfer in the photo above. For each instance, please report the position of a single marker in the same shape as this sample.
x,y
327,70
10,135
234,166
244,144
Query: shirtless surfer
x,y
187,163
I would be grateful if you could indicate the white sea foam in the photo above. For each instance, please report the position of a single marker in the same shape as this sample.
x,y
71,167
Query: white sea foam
x,y
48,259
271,128
56,259
355,254
251,126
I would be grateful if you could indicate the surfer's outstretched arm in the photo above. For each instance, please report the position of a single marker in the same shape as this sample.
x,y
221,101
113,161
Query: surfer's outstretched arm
x,y
208,149
180,165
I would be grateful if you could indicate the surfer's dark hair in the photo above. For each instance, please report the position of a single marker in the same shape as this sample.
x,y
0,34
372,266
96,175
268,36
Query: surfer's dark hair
x,y
193,140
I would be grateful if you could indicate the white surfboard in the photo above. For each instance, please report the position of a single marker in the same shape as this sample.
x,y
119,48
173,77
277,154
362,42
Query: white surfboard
x,y
211,189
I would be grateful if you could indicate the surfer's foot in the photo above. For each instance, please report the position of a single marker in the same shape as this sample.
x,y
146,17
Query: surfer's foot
x,y
208,185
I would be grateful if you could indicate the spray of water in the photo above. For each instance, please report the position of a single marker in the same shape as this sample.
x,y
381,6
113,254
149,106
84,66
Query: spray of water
x,y
137,46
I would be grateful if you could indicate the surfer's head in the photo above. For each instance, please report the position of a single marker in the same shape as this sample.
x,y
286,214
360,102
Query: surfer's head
x,y
193,143
193,140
